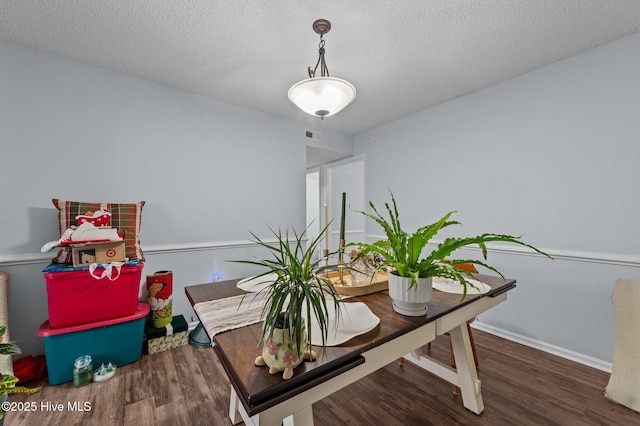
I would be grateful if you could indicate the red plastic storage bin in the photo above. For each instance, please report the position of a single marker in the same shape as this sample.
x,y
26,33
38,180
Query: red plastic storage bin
x,y
76,297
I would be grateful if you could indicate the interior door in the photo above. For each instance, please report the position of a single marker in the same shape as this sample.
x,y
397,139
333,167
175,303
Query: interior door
x,y
344,176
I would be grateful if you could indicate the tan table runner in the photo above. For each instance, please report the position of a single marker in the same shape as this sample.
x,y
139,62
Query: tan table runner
x,y
233,312
230,313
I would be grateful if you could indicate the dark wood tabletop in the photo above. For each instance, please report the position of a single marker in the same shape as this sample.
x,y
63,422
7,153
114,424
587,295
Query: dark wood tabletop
x,y
259,390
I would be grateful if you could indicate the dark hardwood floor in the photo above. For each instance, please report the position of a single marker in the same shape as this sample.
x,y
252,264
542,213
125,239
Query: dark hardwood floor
x,y
187,386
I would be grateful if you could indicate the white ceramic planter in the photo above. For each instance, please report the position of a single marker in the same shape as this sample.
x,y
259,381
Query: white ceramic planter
x,y
280,353
409,301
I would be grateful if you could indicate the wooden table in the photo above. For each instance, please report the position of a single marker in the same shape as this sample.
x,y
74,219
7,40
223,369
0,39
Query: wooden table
x,y
258,398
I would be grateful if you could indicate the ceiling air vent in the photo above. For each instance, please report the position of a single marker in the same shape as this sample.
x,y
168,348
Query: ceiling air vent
x,y
310,134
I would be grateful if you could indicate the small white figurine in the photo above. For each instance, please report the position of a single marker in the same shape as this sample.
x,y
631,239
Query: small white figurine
x,y
104,373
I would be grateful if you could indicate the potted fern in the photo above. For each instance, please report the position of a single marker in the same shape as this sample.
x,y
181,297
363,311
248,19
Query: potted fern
x,y
411,270
300,290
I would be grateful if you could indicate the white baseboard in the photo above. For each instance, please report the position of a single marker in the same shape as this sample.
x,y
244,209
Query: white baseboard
x,y
545,347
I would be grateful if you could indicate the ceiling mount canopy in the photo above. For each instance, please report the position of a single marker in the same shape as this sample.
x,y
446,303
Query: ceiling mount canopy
x,y
324,95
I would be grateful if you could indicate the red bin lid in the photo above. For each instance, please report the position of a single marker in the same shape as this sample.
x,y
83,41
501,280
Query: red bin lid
x,y
141,311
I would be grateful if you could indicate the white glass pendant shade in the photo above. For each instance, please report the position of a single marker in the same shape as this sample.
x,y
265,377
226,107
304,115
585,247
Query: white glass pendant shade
x,y
322,96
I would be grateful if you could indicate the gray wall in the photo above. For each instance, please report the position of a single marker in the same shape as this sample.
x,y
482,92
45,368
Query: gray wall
x,y
552,155
209,172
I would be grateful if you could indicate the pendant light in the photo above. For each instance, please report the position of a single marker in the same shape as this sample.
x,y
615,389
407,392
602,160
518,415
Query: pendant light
x,y
324,95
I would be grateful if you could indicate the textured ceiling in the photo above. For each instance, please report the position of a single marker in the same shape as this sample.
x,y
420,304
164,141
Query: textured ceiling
x,y
403,56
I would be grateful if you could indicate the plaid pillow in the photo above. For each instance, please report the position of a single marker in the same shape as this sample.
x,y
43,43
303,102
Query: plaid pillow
x,y
126,218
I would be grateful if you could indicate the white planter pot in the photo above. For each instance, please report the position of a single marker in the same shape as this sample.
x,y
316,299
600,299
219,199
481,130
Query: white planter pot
x,y
280,353
409,301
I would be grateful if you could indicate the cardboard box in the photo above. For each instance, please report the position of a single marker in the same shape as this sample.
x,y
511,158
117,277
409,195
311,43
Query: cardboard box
x,y
108,252
169,337
118,341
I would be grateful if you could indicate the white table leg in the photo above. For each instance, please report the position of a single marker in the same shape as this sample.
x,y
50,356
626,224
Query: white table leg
x,y
466,367
238,414
433,366
303,417
234,408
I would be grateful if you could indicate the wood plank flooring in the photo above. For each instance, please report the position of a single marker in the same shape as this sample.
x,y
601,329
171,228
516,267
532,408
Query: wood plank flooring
x,y
187,386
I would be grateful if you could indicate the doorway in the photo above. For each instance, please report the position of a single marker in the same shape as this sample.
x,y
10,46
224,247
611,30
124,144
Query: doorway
x,y
325,186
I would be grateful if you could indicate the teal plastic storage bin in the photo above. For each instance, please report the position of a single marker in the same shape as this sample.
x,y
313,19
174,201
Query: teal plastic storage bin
x,y
118,341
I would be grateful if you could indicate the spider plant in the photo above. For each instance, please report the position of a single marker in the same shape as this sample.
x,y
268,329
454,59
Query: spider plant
x,y
301,288
403,252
